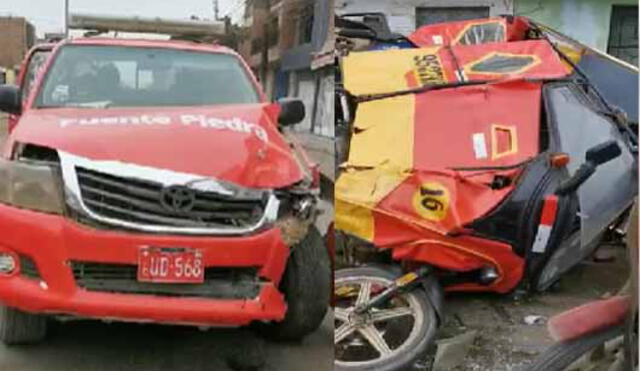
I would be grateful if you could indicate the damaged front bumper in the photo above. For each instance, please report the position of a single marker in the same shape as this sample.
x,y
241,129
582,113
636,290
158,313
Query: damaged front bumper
x,y
51,249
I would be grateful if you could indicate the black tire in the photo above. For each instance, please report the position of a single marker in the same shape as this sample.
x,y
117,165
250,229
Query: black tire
x,y
410,352
561,355
306,285
18,328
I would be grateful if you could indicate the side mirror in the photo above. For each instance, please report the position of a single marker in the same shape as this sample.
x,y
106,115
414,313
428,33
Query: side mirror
x,y
291,111
603,152
10,100
596,156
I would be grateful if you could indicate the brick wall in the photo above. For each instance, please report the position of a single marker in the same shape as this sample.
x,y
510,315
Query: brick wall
x,y
17,37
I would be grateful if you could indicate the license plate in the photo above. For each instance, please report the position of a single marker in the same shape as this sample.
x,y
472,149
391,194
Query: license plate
x,y
170,265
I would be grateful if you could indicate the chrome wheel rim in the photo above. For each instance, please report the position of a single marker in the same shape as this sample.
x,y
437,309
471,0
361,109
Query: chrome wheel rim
x,y
368,334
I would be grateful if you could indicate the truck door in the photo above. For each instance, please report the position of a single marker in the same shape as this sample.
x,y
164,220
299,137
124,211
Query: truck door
x,y
27,77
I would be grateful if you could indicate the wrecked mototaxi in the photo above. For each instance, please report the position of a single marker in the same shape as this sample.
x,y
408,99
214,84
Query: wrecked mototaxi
x,y
496,146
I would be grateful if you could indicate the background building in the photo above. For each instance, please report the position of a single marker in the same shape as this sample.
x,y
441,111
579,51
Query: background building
x,y
289,45
607,25
404,16
17,36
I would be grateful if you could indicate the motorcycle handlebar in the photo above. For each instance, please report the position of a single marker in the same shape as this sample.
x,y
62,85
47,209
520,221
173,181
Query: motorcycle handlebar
x,y
582,174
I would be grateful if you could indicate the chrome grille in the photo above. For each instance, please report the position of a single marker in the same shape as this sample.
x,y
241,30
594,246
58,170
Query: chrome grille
x,y
139,201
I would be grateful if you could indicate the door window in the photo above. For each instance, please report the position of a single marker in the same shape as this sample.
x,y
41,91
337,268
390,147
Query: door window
x,y
623,36
36,62
431,15
580,125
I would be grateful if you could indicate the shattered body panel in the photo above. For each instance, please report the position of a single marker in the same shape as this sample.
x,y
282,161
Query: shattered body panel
x,y
256,155
449,159
482,31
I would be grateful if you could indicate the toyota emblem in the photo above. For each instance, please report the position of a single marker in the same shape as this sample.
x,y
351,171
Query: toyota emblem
x,y
178,198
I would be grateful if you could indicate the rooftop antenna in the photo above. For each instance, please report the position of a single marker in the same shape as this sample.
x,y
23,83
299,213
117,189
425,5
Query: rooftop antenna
x,y
216,10
66,19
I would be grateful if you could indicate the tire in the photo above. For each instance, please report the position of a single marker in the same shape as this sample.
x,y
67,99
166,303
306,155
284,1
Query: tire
x,y
415,345
561,355
306,285
18,328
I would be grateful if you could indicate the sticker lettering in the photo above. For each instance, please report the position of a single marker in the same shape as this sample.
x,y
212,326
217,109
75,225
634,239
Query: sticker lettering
x,y
234,124
428,69
431,201
480,146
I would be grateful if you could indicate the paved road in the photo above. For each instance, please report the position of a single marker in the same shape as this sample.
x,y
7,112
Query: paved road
x,y
97,346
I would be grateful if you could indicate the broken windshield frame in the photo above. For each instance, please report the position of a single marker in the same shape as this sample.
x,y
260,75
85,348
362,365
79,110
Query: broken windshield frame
x,y
359,29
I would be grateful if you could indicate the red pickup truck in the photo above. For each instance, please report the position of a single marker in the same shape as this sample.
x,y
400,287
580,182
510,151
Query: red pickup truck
x,y
152,181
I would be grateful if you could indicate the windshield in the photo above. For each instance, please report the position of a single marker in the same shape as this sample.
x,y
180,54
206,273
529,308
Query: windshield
x,y
106,76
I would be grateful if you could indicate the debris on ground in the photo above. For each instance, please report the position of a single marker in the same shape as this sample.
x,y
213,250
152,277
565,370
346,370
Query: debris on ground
x,y
452,352
535,320
504,342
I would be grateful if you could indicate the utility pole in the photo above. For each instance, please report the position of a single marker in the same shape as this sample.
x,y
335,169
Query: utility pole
x,y
66,19
265,43
216,9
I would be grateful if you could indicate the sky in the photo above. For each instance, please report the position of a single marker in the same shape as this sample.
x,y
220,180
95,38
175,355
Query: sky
x,y
48,15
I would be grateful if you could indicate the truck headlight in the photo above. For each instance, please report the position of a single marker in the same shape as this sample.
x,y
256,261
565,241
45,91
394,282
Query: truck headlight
x,y
31,186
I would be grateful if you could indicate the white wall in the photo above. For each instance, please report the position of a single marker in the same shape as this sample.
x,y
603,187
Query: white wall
x,y
401,14
304,90
587,21
324,124
319,144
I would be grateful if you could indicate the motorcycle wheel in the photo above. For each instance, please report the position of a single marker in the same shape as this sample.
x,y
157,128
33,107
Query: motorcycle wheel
x,y
601,350
389,337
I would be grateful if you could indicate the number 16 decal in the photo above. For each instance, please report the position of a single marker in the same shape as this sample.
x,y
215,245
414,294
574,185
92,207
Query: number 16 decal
x,y
431,201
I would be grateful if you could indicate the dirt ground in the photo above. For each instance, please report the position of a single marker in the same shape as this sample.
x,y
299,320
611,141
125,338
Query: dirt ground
x,y
504,342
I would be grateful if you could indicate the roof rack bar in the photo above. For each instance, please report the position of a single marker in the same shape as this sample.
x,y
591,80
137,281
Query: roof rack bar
x,y
104,23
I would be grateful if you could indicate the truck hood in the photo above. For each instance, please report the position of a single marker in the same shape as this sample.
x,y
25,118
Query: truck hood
x,y
235,143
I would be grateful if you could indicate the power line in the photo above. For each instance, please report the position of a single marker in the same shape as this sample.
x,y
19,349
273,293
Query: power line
x,y
240,4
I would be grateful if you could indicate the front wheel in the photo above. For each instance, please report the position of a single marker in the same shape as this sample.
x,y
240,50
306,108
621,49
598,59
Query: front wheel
x,y
306,285
596,351
389,337
18,327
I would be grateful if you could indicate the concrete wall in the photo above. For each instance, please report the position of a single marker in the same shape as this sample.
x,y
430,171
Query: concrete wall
x,y
401,14
587,21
